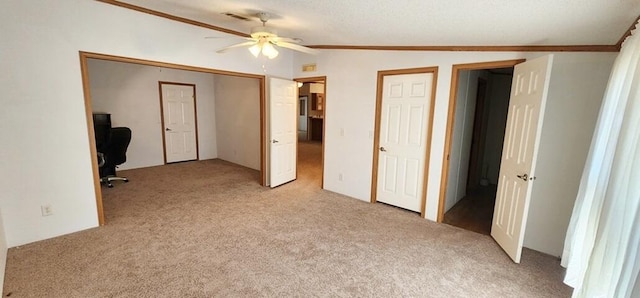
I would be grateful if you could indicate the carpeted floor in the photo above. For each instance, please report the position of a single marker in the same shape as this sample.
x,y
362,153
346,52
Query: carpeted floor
x,y
208,229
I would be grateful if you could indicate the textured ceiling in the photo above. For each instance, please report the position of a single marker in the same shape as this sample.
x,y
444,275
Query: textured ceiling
x,y
420,22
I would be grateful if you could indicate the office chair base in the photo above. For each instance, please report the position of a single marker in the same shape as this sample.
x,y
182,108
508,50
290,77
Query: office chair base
x,y
107,180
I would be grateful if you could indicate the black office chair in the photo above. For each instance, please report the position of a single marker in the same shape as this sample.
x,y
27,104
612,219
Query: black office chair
x,y
115,153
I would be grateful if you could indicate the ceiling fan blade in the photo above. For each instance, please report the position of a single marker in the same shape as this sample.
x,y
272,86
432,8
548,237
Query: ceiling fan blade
x,y
228,37
297,47
238,45
287,39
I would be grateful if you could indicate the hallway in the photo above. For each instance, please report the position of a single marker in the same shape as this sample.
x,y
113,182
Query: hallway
x,y
474,212
310,162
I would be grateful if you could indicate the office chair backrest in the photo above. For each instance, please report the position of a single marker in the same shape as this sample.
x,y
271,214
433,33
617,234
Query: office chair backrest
x,y
118,143
101,129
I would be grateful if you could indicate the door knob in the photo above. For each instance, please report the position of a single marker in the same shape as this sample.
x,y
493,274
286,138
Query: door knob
x,y
274,141
167,129
524,177
382,149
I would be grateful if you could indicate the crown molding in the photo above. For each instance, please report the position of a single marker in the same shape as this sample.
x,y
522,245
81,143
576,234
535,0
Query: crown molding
x,y
546,48
172,17
627,33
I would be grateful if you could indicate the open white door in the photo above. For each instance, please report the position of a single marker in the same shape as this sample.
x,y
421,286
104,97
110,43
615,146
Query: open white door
x,y
403,139
179,121
283,97
522,136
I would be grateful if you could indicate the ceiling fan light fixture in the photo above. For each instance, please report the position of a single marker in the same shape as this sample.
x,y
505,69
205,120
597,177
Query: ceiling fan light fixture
x,y
255,50
264,40
269,50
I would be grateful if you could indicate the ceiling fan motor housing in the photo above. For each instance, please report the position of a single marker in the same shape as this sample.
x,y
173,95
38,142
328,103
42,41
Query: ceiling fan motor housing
x,y
263,31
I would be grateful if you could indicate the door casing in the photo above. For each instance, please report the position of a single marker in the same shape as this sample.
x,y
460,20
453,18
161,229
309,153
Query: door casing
x,y
324,119
195,117
376,132
455,73
84,69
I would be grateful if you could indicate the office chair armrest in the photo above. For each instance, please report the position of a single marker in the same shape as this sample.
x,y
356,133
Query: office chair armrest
x,y
101,160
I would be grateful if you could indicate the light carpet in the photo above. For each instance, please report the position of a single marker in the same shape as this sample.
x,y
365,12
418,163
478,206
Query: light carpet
x,y
208,229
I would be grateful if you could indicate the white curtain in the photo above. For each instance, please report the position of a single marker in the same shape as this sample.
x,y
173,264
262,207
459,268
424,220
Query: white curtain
x,y
603,239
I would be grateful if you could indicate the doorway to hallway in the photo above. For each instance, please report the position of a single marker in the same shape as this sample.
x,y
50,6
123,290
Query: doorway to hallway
x,y
479,119
311,127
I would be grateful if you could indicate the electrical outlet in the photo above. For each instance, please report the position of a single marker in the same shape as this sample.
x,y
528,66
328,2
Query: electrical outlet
x,y
46,210
342,132
340,177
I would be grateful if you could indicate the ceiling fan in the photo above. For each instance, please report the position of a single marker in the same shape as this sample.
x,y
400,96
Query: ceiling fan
x,y
265,40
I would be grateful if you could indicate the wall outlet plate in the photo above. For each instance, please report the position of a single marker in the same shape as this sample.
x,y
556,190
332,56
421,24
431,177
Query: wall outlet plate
x,y
46,210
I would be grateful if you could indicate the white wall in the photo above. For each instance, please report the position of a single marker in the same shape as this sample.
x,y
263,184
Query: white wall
x,y
48,158
129,92
238,120
351,87
575,94
350,105
462,134
43,110
497,108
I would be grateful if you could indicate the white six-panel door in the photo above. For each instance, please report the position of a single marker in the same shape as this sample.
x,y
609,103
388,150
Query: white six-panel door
x,y
522,135
283,100
178,112
403,138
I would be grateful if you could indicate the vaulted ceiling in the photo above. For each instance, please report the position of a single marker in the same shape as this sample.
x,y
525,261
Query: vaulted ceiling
x,y
418,22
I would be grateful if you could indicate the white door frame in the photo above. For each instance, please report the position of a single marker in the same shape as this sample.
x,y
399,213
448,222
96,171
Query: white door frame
x,y
195,117
376,132
455,74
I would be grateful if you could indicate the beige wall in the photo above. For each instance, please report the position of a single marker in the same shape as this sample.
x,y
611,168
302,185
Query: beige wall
x,y
575,94
228,109
238,120
350,108
462,133
44,91
44,110
129,92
